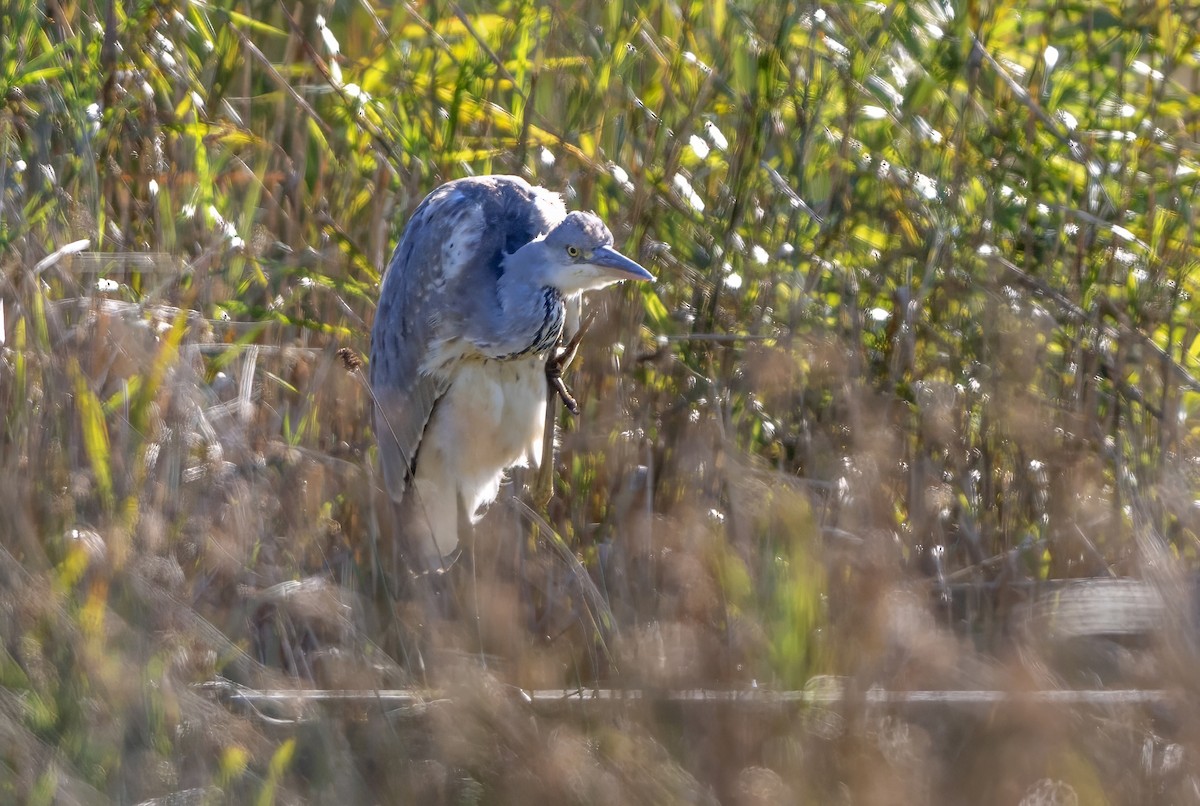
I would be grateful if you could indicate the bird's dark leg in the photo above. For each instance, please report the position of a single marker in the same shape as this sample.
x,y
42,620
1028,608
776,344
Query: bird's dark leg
x,y
559,358
554,375
558,361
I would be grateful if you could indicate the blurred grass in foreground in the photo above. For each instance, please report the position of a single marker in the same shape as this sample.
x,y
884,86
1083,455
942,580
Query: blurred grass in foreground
x,y
923,343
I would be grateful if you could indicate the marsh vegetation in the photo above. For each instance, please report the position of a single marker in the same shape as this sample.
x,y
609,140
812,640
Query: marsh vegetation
x,y
912,406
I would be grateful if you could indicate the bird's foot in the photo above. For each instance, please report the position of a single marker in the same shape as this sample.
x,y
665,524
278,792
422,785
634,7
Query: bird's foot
x,y
564,393
559,360
554,374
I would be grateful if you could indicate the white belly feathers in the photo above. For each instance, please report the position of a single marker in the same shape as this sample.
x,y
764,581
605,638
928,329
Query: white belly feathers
x,y
491,418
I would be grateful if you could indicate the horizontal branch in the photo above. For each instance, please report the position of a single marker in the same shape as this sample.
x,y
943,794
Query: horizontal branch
x,y
415,702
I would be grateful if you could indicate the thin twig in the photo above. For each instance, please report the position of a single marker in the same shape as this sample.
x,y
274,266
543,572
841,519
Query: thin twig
x,y
280,81
720,338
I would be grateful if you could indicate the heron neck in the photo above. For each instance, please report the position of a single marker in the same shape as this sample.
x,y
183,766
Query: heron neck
x,y
530,315
520,282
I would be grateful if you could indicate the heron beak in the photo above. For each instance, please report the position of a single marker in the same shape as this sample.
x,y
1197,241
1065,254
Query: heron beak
x,y
617,265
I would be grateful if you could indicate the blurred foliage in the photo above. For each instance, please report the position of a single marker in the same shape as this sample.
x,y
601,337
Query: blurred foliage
x,y
924,334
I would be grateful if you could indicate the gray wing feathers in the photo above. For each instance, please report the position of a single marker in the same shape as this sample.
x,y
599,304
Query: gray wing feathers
x,y
441,279
403,329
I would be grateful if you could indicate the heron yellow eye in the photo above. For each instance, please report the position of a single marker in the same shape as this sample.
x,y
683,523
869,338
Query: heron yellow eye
x,y
573,251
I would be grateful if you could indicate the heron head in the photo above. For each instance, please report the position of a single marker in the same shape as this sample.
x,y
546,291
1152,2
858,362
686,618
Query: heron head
x,y
578,255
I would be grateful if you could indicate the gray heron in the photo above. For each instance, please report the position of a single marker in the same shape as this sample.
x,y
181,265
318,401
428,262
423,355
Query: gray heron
x,y
483,290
